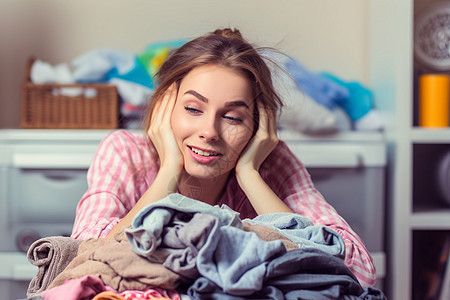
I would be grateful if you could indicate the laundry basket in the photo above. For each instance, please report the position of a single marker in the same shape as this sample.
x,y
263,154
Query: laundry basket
x,y
68,106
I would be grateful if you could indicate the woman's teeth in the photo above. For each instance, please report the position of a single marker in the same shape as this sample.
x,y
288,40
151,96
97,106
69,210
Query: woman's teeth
x,y
203,153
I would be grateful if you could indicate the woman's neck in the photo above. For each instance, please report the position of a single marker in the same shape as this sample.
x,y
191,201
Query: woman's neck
x,y
205,190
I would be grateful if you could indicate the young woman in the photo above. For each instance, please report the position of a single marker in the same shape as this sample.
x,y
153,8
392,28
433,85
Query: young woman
x,y
212,136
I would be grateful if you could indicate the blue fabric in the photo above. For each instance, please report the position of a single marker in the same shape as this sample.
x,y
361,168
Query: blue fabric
x,y
137,74
232,258
301,231
323,90
227,262
104,64
359,100
182,240
238,260
282,221
148,224
298,274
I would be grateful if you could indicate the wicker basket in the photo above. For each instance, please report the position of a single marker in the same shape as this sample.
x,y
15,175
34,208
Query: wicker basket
x,y
47,106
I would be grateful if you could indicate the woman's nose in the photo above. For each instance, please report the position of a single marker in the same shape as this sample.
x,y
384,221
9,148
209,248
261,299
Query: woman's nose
x,y
209,131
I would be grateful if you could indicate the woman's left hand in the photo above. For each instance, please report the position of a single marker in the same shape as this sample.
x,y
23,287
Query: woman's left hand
x,y
261,196
262,144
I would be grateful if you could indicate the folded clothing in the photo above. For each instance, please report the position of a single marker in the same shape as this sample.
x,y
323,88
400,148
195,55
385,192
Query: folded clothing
x,y
51,255
85,287
117,265
303,273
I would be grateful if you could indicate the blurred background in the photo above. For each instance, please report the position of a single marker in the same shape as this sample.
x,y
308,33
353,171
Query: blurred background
x,y
324,35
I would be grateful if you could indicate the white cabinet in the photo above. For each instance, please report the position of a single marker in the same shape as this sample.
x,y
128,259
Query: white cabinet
x,y
416,213
43,175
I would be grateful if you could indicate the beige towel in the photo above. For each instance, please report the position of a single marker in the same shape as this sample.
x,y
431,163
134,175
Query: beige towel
x,y
119,267
51,255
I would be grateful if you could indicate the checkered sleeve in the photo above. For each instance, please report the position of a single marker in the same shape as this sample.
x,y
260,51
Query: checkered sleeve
x,y
114,185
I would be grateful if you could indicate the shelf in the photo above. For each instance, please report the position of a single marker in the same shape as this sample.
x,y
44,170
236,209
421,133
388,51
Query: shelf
x,y
27,135
341,136
430,135
52,135
431,220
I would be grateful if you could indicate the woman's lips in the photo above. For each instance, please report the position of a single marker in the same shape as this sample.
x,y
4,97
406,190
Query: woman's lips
x,y
202,155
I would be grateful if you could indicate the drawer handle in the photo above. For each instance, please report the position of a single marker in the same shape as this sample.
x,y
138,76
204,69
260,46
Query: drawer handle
x,y
63,176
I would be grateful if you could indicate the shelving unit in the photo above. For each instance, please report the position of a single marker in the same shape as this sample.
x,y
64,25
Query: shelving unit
x,y
416,214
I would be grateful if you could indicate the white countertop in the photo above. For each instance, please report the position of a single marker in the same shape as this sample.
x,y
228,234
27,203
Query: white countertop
x,y
56,148
94,135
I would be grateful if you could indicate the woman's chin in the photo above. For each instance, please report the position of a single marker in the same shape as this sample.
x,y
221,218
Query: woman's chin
x,y
209,174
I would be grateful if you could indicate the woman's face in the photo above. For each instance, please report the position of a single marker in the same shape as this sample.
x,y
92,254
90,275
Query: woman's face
x,y
212,120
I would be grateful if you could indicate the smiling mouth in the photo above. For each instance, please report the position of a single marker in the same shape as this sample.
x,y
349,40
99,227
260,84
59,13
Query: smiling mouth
x,y
203,152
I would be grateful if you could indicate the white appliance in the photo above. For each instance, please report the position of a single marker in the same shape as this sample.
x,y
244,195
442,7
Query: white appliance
x,y
43,175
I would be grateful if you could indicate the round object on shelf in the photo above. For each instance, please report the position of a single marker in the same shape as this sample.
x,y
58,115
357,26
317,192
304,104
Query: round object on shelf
x,y
444,177
432,37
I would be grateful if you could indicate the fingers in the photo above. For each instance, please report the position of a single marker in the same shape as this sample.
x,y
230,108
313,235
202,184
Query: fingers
x,y
165,106
262,144
162,111
267,123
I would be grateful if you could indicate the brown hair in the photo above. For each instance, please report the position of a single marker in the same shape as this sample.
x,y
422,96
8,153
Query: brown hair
x,y
225,47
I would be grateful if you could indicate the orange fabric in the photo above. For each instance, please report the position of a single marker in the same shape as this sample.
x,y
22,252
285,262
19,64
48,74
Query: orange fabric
x,y
108,296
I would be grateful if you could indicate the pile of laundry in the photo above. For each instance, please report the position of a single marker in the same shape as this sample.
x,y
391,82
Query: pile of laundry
x,y
181,248
313,102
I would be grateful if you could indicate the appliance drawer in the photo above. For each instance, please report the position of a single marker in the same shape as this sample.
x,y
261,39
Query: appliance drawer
x,y
44,204
358,196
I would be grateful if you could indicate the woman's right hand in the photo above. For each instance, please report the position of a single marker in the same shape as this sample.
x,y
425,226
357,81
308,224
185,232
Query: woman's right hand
x,y
171,161
161,134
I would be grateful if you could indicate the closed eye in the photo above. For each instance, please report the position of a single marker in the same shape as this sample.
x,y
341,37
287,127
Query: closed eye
x,y
192,110
233,119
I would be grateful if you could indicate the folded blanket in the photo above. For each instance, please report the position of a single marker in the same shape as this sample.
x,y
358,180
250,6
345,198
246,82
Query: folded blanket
x,y
51,255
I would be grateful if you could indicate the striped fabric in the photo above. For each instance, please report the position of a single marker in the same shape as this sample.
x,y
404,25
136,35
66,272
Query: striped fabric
x,y
124,166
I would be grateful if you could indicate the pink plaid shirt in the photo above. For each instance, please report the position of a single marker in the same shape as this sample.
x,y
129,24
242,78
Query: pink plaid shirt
x,y
124,166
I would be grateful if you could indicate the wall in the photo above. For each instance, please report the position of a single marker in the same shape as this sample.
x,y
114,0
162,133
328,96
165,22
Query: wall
x,y
325,35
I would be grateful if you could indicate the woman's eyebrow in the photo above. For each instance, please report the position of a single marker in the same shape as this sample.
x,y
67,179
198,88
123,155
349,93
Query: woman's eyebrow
x,y
227,104
236,103
197,95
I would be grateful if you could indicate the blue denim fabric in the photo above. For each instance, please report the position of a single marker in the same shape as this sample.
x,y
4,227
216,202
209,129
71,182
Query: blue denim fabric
x,y
301,231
